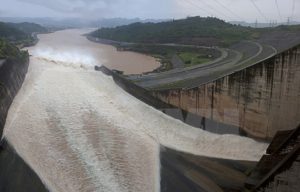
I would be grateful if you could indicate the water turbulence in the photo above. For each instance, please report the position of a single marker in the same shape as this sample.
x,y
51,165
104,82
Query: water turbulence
x,y
80,132
69,58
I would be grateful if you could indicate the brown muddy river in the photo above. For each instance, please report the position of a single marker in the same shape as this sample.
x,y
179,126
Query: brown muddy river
x,y
72,41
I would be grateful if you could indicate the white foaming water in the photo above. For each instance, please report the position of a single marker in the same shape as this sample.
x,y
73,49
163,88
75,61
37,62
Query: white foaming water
x,y
81,132
69,58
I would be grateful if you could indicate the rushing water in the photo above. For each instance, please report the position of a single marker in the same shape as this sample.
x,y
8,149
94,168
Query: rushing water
x,y
81,132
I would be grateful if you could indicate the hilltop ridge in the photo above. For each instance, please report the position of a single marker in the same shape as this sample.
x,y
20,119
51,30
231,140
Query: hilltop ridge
x,y
207,31
29,28
192,30
21,34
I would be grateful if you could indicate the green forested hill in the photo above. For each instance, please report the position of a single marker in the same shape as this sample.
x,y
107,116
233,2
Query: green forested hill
x,y
29,28
10,33
193,30
7,50
20,33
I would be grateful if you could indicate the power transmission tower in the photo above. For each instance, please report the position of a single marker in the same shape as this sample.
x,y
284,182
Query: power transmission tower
x,y
293,9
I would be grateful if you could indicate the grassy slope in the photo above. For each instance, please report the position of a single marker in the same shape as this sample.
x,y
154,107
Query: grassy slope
x,y
191,59
165,54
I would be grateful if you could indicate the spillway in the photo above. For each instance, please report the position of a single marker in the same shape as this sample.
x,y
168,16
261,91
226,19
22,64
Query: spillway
x,y
79,131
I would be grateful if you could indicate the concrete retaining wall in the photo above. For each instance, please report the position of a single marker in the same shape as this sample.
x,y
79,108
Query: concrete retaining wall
x,y
259,100
12,74
15,174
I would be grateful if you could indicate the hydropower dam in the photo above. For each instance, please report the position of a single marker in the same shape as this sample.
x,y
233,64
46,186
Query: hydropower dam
x,y
79,131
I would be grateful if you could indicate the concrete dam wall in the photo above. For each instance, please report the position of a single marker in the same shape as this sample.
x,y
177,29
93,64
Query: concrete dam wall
x,y
259,100
145,96
15,174
12,74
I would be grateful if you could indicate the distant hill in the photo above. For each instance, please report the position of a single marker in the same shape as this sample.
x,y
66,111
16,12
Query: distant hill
x,y
193,30
11,33
263,25
206,31
29,28
20,34
78,22
14,35
115,22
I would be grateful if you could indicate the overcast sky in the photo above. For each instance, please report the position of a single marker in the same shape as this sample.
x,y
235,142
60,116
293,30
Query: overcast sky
x,y
229,10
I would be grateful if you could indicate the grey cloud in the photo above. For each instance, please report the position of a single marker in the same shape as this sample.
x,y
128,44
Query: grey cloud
x,y
155,8
76,7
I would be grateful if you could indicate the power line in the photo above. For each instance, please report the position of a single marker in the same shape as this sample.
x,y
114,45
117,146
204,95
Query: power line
x,y
196,5
258,10
212,8
278,10
234,14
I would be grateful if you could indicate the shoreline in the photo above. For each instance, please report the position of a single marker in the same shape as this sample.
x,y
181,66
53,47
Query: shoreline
x,y
118,44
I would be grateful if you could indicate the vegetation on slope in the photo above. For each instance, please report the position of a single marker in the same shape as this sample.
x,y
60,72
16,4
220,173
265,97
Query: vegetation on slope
x,y
194,58
11,33
194,30
150,38
29,28
207,31
9,51
166,53
20,34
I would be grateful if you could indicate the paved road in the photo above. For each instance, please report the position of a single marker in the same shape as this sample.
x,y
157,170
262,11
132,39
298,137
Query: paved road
x,y
224,55
232,60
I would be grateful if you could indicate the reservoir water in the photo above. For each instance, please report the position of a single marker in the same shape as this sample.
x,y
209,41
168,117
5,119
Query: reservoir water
x,y
79,131
71,46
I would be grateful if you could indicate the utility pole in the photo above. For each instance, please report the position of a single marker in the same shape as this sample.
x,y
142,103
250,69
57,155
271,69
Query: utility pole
x,y
288,21
256,23
274,23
